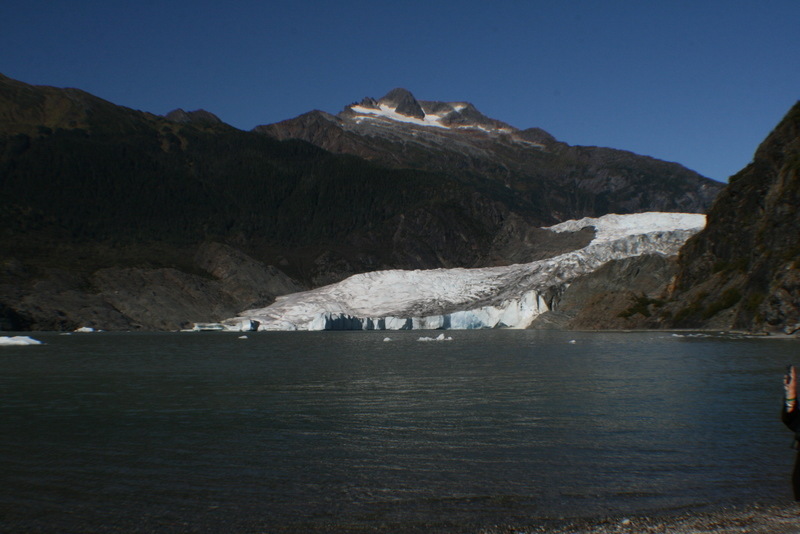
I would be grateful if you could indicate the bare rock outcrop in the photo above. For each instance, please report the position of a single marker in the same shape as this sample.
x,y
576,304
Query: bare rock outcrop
x,y
139,298
621,295
741,272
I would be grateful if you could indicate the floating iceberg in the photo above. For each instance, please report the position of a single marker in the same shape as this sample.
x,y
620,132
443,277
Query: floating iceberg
x,y
18,340
243,325
491,297
440,337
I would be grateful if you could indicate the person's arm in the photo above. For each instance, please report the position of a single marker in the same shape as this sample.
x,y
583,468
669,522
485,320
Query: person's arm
x,y
790,414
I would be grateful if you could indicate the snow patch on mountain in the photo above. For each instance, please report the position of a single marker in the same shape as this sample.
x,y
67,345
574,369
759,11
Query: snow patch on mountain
x,y
386,112
399,105
509,296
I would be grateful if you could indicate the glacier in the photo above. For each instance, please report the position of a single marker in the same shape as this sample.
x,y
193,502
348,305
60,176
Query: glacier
x,y
453,299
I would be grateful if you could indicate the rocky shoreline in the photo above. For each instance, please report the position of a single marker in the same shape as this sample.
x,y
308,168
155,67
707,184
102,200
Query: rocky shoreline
x,y
751,519
746,519
781,518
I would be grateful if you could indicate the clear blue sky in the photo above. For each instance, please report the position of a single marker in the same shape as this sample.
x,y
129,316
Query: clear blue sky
x,y
697,82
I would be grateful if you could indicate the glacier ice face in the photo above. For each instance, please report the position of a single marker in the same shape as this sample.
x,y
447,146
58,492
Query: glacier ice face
x,y
509,296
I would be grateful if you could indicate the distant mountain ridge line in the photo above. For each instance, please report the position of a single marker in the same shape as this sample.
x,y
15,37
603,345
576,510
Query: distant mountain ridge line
x,y
565,182
116,218
104,210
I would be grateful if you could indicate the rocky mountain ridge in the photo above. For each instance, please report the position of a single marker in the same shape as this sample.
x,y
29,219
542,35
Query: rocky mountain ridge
x,y
198,116
558,181
400,105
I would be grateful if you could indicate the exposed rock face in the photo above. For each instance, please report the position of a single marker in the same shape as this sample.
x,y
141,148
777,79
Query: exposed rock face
x,y
621,295
558,181
249,282
403,102
741,272
65,301
161,299
518,242
128,298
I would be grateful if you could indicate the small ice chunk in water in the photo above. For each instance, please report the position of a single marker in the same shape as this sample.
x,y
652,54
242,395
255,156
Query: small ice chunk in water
x,y
18,340
440,337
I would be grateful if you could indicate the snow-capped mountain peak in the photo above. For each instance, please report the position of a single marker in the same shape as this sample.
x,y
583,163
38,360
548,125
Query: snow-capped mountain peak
x,y
403,103
399,105
384,111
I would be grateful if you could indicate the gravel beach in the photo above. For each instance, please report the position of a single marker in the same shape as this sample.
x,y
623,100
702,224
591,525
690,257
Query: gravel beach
x,y
750,519
754,519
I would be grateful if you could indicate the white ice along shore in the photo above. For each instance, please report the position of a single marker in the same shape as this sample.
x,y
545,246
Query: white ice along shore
x,y
510,296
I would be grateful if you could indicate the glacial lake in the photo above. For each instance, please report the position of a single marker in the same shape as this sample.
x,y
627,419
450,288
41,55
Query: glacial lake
x,y
326,431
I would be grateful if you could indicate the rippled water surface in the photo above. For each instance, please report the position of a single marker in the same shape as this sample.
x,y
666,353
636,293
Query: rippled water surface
x,y
337,430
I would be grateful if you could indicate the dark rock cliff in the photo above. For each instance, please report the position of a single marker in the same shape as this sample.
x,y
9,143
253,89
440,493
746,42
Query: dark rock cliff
x,y
621,295
741,272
